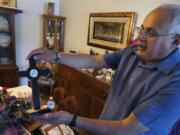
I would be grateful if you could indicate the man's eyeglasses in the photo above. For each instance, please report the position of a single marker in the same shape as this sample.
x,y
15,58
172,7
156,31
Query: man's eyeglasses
x,y
150,32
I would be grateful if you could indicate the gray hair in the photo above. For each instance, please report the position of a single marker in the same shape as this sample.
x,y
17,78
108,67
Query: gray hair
x,y
174,12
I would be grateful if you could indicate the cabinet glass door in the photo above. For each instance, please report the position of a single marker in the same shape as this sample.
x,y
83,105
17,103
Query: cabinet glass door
x,y
5,41
50,34
60,35
53,32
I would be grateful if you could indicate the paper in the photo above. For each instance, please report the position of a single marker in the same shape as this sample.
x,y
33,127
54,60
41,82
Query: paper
x,y
20,92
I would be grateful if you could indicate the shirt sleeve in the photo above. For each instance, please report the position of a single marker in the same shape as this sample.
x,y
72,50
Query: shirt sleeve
x,y
113,59
160,112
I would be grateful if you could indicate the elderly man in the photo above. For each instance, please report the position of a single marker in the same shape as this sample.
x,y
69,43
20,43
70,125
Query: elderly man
x,y
145,92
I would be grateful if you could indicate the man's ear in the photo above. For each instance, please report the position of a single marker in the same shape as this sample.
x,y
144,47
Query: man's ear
x,y
176,41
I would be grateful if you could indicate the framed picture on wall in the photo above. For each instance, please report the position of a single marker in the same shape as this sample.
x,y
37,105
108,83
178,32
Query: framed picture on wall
x,y
111,31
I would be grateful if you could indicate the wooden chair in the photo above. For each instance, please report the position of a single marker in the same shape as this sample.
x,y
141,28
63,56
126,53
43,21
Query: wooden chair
x,y
64,100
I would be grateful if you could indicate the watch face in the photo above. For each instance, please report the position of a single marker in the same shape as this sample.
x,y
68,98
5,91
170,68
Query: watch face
x,y
33,73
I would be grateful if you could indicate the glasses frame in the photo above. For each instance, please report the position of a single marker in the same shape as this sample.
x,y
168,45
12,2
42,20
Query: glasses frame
x,y
146,33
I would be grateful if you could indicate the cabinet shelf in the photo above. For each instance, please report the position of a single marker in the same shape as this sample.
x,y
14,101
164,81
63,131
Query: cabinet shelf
x,y
8,10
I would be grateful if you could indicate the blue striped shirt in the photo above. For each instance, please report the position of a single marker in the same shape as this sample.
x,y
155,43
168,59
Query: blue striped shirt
x,y
151,92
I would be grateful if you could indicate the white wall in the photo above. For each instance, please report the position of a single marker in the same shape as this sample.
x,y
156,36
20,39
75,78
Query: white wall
x,y
29,24
77,14
29,28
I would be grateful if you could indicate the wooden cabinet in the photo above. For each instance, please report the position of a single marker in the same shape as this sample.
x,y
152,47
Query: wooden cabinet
x,y
53,32
90,92
8,68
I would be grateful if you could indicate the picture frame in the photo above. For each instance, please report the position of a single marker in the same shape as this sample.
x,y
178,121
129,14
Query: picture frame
x,y
61,129
51,130
51,6
9,3
112,31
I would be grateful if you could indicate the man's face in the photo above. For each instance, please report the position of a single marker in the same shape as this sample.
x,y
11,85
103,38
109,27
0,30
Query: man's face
x,y
154,48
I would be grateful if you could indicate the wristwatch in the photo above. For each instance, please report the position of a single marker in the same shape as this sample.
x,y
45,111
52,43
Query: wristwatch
x,y
72,123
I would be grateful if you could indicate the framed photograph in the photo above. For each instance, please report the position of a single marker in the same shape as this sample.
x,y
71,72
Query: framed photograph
x,y
51,6
56,130
111,31
8,3
51,130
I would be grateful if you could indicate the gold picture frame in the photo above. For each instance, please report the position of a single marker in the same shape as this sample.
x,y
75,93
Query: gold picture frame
x,y
8,3
111,31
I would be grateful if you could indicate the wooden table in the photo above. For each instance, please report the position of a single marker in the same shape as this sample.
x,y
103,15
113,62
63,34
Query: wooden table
x,y
31,126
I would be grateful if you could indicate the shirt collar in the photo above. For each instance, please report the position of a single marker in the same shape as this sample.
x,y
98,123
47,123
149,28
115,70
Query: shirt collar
x,y
167,64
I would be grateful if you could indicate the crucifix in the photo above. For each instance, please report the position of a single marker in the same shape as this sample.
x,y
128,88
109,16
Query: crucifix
x,y
33,73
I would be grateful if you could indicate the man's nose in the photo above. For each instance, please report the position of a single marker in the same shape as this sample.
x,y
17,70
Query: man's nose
x,y
141,37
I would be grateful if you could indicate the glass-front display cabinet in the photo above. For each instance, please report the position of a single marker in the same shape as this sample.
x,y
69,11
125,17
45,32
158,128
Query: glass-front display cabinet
x,y
53,32
8,68
53,38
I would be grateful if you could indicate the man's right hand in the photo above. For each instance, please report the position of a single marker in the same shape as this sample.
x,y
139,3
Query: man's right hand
x,y
42,54
56,118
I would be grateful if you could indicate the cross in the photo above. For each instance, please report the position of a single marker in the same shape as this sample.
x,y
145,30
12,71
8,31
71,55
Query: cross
x,y
33,73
